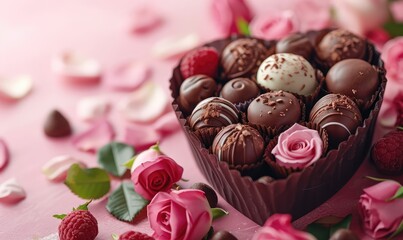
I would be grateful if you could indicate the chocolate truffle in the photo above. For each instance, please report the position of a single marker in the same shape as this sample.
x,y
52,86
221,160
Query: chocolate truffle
x,y
239,90
354,78
195,89
343,234
297,44
213,112
238,144
56,125
223,235
339,115
288,72
274,109
242,58
340,44
211,195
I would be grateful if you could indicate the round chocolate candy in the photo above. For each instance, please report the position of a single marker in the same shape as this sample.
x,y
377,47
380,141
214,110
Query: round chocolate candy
x,y
343,234
274,109
338,114
354,78
213,112
288,72
56,125
211,195
242,58
297,44
223,235
239,90
195,89
238,144
340,44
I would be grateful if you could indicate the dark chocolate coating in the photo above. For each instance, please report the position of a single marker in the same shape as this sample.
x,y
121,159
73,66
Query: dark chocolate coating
x,y
223,235
238,144
343,234
56,125
195,89
274,109
339,115
354,78
340,44
239,90
296,43
211,195
213,112
242,58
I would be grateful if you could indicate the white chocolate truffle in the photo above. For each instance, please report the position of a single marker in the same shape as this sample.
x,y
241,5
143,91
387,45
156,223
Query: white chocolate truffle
x,y
287,72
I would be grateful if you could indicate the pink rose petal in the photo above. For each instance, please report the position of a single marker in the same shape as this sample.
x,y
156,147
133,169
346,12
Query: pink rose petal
x,y
11,191
140,137
56,168
167,124
145,20
129,76
16,87
175,46
396,7
92,108
94,138
4,155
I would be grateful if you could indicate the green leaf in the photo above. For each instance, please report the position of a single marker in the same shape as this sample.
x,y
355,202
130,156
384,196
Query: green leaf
x,y
344,224
115,236
398,231
124,203
83,206
319,231
398,194
113,156
243,26
128,164
218,212
377,179
91,183
59,216
394,28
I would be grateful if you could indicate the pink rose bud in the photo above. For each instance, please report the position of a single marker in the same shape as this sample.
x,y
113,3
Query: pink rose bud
x,y
274,26
392,55
180,215
148,155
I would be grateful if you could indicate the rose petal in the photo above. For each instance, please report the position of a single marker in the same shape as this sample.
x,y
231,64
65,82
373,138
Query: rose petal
x,y
56,168
53,236
145,104
167,124
274,26
92,108
144,20
94,138
140,137
15,87
175,46
4,154
129,76
11,191
396,7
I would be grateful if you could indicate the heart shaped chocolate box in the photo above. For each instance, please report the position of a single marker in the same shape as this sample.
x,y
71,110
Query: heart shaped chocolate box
x,y
233,138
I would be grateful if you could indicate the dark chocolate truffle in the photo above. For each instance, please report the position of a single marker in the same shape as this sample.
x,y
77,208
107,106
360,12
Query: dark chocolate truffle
x,y
213,112
223,235
211,195
239,90
354,78
339,115
274,109
195,89
238,144
296,43
340,44
343,234
56,125
242,58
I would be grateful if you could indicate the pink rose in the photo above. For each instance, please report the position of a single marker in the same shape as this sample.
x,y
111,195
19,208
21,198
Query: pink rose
x,y
227,13
154,176
274,26
180,215
312,14
378,37
278,227
380,216
391,113
298,147
392,55
150,154
396,9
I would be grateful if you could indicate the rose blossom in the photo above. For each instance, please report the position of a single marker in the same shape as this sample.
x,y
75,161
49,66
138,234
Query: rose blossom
x,y
278,227
378,37
298,147
396,9
391,113
312,14
274,26
151,177
150,154
380,216
392,55
180,215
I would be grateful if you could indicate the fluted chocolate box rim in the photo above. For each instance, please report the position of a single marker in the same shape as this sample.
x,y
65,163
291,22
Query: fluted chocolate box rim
x,y
300,192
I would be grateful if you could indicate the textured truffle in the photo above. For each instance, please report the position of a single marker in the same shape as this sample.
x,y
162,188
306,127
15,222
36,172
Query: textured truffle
x,y
296,43
239,90
213,112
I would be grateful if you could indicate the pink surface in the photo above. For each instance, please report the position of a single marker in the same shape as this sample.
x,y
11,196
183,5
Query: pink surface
x,y
31,33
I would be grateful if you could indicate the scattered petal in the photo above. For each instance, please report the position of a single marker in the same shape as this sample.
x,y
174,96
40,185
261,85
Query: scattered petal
x,y
94,138
16,87
175,46
140,137
4,155
53,236
92,108
56,168
74,67
129,76
11,191
167,124
144,20
145,104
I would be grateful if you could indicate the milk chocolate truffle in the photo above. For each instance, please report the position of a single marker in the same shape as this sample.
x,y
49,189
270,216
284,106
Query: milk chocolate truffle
x,y
238,144
242,58
340,44
195,89
274,109
213,112
297,44
56,125
354,78
339,115
288,72
239,90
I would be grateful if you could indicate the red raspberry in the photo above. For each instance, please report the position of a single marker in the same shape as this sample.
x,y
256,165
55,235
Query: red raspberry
x,y
132,235
387,153
203,60
78,225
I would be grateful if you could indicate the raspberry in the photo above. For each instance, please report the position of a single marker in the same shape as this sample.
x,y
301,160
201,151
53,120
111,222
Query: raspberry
x,y
203,60
132,235
387,153
78,225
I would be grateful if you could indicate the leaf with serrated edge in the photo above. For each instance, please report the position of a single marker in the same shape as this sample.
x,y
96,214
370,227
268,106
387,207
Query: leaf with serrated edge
x,y
113,156
91,183
398,194
124,203
343,224
218,212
